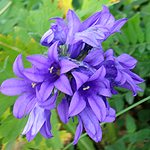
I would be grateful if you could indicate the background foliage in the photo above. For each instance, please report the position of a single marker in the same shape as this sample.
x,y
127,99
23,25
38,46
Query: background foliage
x,y
23,22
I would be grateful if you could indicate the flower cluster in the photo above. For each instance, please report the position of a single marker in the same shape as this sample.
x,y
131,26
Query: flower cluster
x,y
77,66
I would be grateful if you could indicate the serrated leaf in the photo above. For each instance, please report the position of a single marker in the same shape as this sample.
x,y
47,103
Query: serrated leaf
x,y
130,124
129,97
139,32
135,19
123,39
131,33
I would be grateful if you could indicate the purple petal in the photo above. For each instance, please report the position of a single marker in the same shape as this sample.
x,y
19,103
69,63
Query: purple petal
x,y
40,61
90,37
47,37
52,52
46,128
89,21
45,91
103,88
109,54
107,20
80,78
63,85
50,103
66,65
111,116
117,25
21,103
35,75
62,110
121,78
75,49
29,124
14,86
73,22
127,61
91,124
99,74
77,104
29,136
18,66
38,121
89,120
30,105
95,57
78,131
98,106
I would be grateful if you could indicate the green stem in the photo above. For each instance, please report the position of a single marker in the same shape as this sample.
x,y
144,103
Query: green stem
x,y
118,114
5,7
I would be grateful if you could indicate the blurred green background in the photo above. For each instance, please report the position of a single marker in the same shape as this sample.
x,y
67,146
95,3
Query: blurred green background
x,y
23,22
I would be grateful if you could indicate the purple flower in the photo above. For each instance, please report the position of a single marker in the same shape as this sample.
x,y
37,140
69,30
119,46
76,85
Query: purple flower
x,y
39,121
75,34
50,72
24,86
118,71
57,32
88,90
87,118
98,27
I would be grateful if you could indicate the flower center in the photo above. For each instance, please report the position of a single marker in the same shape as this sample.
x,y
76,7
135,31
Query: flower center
x,y
33,85
86,88
54,70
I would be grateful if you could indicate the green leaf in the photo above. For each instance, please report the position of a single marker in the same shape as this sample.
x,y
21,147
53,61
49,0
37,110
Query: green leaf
x,y
148,32
6,102
143,115
32,4
131,33
141,48
119,104
110,147
130,124
139,32
11,128
129,97
123,39
143,134
121,145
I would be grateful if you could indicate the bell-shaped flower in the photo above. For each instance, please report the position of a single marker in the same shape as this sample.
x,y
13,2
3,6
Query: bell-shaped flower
x,y
87,119
98,27
88,89
38,121
118,71
50,72
24,86
57,32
